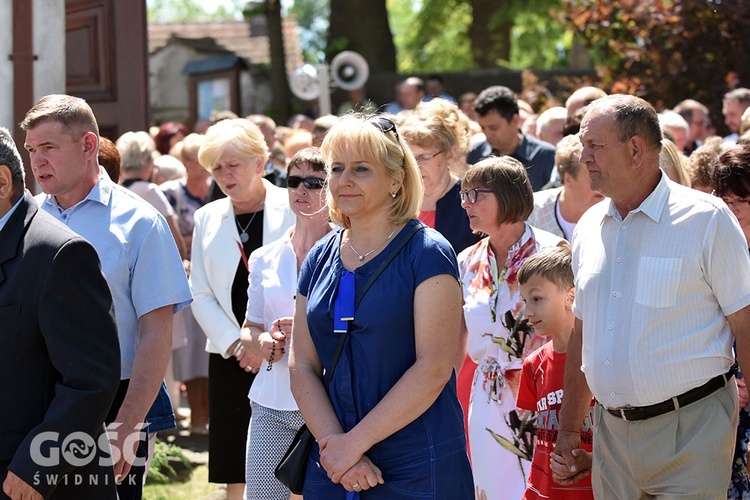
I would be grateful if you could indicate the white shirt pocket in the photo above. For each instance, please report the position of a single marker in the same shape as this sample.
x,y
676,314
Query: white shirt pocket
x,y
658,281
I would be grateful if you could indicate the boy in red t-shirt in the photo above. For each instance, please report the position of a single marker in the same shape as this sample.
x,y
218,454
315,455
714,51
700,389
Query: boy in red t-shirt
x,y
546,282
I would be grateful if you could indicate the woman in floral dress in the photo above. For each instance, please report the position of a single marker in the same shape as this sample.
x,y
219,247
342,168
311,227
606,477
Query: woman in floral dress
x,y
498,198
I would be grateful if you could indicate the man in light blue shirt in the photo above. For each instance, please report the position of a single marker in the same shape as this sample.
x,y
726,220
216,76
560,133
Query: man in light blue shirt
x,y
139,259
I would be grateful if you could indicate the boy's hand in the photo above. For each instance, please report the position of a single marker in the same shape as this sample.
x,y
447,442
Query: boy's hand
x,y
561,473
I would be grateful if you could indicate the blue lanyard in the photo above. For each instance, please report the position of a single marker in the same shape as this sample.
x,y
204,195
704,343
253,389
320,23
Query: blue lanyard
x,y
343,305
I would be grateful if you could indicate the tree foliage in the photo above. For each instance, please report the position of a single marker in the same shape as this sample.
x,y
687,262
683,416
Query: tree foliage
x,y
170,11
362,26
313,18
457,35
668,50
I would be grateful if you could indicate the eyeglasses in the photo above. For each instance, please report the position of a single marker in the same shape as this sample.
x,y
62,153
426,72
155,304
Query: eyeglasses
x,y
470,195
737,204
384,125
294,181
422,159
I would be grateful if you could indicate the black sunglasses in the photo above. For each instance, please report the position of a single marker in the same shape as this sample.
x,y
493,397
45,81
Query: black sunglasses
x,y
385,125
294,181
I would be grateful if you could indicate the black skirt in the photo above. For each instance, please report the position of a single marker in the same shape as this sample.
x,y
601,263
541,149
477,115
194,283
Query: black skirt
x,y
229,411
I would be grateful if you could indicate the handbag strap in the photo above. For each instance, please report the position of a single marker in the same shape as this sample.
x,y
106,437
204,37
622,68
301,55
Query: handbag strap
x,y
361,293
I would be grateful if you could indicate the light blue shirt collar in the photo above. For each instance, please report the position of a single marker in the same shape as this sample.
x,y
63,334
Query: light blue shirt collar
x,y
4,218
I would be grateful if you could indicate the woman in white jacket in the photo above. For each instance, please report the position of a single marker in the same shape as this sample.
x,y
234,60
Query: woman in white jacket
x,y
254,213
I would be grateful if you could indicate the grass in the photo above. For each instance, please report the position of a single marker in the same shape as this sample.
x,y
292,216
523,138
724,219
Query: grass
x,y
197,488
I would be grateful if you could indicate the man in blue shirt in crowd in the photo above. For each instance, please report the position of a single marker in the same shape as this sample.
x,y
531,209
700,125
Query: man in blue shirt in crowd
x,y
139,260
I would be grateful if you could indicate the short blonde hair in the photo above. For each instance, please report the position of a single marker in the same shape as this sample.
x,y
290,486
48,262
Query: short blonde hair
x,y
239,134
437,123
552,264
363,137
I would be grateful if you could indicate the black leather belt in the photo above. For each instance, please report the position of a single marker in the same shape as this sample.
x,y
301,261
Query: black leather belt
x,y
643,412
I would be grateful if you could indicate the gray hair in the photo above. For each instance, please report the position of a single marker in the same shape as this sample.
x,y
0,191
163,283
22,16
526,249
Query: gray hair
x,y
11,158
135,150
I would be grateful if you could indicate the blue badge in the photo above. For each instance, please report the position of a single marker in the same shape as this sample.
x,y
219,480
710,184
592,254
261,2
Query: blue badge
x,y
343,306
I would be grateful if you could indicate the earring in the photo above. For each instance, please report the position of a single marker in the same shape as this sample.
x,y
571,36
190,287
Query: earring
x,y
393,195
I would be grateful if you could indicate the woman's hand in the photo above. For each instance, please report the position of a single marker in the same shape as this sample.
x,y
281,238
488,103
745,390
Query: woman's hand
x,y
338,454
247,360
272,345
363,476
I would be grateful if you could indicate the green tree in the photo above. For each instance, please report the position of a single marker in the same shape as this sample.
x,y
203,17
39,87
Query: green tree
x,y
313,20
458,35
362,26
164,11
282,96
668,50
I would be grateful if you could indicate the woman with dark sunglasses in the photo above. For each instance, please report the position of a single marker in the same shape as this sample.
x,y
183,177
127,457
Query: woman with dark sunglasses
x,y
254,213
267,330
388,425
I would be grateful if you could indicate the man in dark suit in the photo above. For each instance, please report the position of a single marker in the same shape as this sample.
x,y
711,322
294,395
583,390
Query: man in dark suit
x,y
59,353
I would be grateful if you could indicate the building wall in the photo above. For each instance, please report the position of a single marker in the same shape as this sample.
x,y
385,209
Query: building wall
x,y
168,86
6,67
49,47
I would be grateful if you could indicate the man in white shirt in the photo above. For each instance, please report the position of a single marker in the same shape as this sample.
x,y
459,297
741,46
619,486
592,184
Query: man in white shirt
x,y
662,289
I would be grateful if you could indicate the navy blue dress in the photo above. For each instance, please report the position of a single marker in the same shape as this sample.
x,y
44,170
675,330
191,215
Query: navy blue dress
x,y
427,458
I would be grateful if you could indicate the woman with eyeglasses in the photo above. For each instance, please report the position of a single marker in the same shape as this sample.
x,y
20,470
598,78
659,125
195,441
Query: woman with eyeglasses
x,y
267,330
388,425
731,183
498,198
227,231
437,135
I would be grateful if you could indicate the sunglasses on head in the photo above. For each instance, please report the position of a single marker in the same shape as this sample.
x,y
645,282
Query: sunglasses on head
x,y
294,181
385,125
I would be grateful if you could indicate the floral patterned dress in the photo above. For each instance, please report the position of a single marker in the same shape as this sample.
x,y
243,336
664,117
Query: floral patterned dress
x,y
501,436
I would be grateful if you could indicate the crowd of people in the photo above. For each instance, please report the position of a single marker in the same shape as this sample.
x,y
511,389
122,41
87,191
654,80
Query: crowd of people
x,y
460,298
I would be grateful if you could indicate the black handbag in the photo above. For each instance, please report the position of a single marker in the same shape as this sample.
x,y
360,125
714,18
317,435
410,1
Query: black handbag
x,y
292,468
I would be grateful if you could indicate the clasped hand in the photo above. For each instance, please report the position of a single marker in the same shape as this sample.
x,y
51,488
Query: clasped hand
x,y
348,465
569,463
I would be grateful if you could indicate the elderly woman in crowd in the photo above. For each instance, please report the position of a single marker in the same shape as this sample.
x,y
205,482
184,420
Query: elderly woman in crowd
x,y
731,182
268,324
498,198
388,425
437,136
254,213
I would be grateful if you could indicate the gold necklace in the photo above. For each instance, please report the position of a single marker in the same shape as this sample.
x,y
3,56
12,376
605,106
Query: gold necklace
x,y
363,256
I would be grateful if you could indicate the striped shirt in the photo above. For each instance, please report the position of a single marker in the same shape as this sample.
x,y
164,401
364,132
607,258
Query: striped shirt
x,y
653,292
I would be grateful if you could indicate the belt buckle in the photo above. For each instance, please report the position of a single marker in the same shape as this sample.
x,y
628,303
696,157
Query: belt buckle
x,y
621,410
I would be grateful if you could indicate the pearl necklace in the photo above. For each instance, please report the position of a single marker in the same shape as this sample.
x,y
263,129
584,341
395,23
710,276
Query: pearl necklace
x,y
363,256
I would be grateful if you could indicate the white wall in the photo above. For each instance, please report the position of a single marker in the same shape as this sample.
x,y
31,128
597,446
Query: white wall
x,y
49,47
6,67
